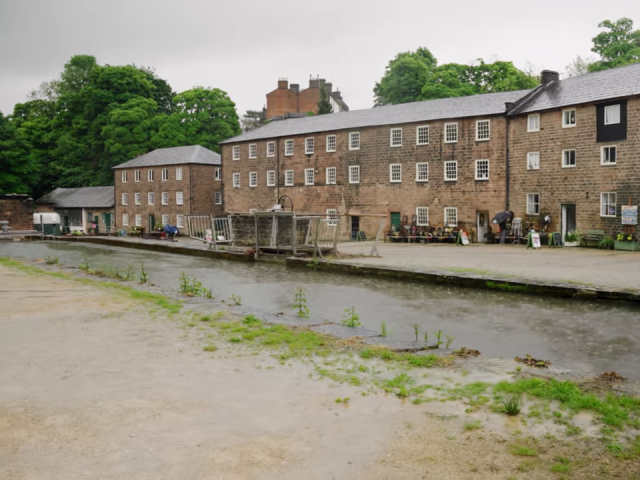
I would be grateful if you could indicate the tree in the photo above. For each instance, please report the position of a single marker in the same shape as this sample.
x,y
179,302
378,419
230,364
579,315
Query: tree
x,y
203,116
618,45
253,119
76,73
324,105
579,66
16,169
404,77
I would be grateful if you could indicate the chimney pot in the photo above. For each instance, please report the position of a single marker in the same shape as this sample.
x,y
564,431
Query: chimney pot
x,y
548,76
283,83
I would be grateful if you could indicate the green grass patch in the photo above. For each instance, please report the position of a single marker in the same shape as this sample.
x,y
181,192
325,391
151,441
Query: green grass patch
x,y
507,287
612,410
523,451
426,361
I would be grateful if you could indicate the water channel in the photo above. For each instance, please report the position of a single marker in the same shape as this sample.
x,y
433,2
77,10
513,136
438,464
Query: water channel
x,y
591,337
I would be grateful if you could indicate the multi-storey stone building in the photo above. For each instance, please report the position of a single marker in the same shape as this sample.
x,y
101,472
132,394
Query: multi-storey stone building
x,y
291,101
569,149
162,186
574,150
439,163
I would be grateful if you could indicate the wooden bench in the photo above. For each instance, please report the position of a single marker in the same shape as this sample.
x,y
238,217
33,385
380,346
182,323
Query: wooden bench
x,y
591,238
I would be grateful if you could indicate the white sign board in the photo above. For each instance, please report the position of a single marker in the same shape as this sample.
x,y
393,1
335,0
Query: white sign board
x,y
208,236
464,238
535,240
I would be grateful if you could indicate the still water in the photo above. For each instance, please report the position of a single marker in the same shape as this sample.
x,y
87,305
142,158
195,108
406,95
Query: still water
x,y
591,337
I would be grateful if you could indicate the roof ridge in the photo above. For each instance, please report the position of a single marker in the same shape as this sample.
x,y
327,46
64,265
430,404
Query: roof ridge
x,y
194,154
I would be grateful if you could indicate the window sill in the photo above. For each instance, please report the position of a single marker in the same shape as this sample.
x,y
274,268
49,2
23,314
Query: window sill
x,y
568,166
608,164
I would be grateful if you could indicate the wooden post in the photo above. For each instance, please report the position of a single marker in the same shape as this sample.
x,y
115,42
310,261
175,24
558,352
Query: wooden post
x,y
293,234
255,254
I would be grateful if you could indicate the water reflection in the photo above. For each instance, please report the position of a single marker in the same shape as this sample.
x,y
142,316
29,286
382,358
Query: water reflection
x,y
588,336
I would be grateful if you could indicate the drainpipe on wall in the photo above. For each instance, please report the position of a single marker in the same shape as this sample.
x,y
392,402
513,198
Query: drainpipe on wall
x,y
507,123
277,169
222,206
190,191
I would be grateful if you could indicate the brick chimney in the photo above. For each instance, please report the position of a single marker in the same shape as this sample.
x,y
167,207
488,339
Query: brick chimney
x,y
295,88
548,76
283,83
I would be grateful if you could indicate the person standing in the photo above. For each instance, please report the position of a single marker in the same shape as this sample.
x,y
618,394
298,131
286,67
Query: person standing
x,y
501,219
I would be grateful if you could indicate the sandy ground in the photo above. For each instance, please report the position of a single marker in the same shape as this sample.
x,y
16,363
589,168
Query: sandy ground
x,y
94,386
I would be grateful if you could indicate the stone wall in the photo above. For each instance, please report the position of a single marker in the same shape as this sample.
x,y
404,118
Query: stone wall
x,y
17,210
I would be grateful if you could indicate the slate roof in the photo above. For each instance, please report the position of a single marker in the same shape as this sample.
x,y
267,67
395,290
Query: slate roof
x,y
446,108
592,87
192,154
85,197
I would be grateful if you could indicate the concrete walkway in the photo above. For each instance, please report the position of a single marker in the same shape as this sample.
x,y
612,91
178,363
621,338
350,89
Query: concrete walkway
x,y
581,266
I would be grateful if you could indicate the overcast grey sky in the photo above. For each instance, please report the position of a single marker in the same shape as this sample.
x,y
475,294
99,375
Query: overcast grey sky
x,y
244,46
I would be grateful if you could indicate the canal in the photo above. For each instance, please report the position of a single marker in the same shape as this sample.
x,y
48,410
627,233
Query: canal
x,y
590,337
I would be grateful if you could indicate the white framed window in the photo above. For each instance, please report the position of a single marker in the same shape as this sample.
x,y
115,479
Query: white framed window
x,y
165,174
608,204
569,118
611,114
331,143
422,216
483,130
422,172
236,180
332,217
288,178
450,171
608,155
218,198
165,219
165,198
450,132
125,199
150,175
125,219
179,198
354,174
309,145
253,150
422,135
533,161
236,152
396,137
308,176
138,220
533,204
395,173
217,174
253,179
138,198
271,149
288,148
124,176
151,198
271,178
331,175
180,221
482,169
178,173
451,216
354,141
136,175
568,158
533,122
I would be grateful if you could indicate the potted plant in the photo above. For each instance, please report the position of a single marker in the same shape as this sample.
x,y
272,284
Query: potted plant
x,y
626,241
572,238
606,243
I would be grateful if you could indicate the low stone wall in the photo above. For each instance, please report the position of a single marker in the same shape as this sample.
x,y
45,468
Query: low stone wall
x,y
17,210
244,230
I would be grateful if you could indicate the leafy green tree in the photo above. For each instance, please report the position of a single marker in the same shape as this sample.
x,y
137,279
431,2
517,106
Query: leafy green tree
x,y
253,119
618,45
579,66
76,73
16,169
203,116
405,77
324,105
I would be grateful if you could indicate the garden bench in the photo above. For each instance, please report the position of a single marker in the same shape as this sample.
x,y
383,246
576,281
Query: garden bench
x,y
591,238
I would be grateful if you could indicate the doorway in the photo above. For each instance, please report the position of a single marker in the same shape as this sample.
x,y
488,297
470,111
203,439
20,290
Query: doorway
x,y
482,222
568,218
395,221
355,227
152,222
106,219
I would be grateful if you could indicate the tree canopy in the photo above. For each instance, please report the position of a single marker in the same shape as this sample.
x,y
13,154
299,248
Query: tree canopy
x,y
413,76
324,105
74,128
618,45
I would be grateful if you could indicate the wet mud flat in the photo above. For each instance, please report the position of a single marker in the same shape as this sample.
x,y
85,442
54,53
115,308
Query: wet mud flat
x,y
96,384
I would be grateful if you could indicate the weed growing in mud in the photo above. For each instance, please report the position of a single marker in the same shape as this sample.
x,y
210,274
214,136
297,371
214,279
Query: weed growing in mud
x,y
384,331
416,330
235,299
345,400
351,318
144,276
313,264
438,335
210,348
84,266
512,403
449,341
300,302
192,287
476,425
51,260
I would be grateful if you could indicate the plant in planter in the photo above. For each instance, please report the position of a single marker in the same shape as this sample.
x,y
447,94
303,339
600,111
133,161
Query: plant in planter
x,y
573,238
606,243
626,241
